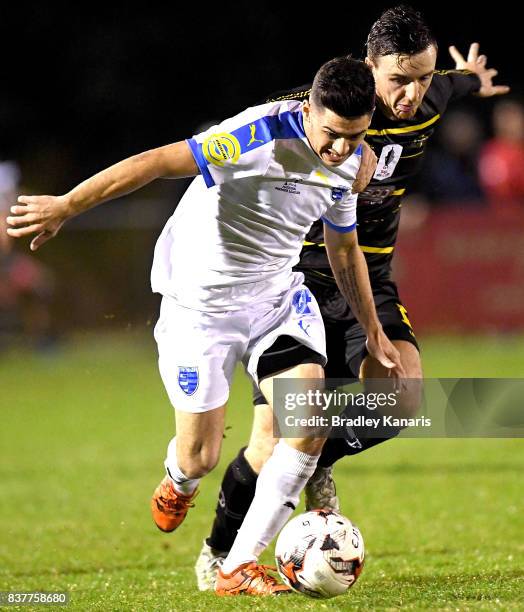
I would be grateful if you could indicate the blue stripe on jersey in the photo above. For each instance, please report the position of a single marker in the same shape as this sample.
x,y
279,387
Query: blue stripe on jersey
x,y
273,127
201,161
339,228
359,150
253,135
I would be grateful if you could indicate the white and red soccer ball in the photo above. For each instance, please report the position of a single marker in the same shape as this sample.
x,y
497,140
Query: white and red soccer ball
x,y
320,553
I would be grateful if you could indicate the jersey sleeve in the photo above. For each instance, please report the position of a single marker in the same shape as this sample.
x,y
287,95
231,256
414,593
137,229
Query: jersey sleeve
x,y
236,148
455,84
343,216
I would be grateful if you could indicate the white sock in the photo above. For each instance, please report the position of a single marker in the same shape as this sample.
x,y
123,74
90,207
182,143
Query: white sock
x,y
181,482
279,484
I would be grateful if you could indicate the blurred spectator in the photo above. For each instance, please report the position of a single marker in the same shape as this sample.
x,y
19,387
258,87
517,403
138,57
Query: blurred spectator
x,y
26,286
502,158
450,172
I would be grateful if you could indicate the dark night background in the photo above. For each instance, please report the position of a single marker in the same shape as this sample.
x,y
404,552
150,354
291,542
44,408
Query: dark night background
x,y
84,86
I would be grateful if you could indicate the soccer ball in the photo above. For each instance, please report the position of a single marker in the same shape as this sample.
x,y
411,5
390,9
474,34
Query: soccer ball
x,y
320,553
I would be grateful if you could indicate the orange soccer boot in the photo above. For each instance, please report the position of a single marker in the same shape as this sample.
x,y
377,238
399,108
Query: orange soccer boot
x,y
249,579
169,507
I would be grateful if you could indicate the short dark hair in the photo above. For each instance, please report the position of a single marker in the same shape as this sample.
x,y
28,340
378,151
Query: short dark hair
x,y
401,30
345,86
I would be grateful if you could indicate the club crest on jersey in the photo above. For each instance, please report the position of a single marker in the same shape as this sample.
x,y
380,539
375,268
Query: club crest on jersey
x,y
388,161
188,379
337,193
219,148
301,300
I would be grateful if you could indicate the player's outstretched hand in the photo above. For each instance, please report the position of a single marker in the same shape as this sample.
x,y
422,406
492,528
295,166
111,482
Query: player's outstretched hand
x,y
477,63
367,169
381,348
41,215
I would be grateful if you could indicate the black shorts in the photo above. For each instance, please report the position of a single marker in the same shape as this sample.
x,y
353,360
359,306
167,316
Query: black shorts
x,y
345,338
286,352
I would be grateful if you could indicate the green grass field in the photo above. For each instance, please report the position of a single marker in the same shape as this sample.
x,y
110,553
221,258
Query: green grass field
x,y
82,440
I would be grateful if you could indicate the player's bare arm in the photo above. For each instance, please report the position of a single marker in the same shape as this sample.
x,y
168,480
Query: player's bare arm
x,y
368,165
351,273
478,64
44,215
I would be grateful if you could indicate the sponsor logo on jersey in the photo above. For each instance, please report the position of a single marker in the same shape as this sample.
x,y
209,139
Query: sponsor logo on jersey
x,y
253,131
301,300
388,161
337,193
219,148
289,187
188,379
374,195
304,326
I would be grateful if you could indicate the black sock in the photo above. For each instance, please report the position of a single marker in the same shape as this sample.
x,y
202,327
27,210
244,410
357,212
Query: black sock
x,y
345,441
336,448
235,497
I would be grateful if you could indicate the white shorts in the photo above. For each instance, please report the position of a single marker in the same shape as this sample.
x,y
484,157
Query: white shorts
x,y
198,351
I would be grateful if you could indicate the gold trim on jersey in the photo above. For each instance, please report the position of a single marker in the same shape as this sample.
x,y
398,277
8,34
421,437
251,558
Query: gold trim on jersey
x,y
296,95
410,156
398,191
404,130
364,249
370,249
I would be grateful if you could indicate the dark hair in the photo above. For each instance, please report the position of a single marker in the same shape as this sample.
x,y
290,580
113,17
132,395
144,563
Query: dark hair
x,y
345,86
400,30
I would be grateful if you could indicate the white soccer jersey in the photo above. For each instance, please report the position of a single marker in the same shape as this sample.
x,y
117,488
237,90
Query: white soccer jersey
x,y
243,221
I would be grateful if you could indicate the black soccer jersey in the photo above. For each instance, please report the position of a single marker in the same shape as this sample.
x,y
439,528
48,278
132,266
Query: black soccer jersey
x,y
399,146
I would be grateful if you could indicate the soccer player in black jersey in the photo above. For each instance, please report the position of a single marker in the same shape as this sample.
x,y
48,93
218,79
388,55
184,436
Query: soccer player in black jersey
x,y
412,98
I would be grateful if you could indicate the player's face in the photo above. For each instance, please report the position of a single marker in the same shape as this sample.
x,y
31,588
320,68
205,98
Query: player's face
x,y
402,81
333,138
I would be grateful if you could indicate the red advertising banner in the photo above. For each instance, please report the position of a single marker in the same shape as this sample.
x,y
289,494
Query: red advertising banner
x,y
463,271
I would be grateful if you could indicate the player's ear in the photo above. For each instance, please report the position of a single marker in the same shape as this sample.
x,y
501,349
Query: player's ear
x,y
306,109
369,62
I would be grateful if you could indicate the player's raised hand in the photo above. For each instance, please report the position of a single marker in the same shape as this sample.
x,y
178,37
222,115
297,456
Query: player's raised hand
x,y
477,63
368,165
381,348
41,215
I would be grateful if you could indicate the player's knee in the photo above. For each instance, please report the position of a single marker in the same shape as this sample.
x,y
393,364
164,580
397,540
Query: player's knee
x,y
258,452
310,446
410,400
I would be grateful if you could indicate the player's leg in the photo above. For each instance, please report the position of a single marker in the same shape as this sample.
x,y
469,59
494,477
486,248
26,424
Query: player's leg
x,y
261,440
198,390
196,449
238,485
346,350
293,460
191,454
410,395
239,481
278,488
352,441
237,491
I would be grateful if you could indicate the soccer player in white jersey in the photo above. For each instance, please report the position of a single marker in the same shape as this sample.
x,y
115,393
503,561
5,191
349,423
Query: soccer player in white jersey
x,y
223,264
